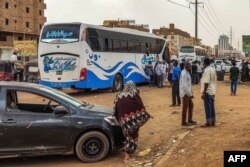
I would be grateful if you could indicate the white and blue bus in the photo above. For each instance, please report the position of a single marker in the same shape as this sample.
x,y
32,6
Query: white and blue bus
x,y
192,53
82,56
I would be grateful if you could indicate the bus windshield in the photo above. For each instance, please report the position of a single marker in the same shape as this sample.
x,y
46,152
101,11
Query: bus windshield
x,y
187,49
61,33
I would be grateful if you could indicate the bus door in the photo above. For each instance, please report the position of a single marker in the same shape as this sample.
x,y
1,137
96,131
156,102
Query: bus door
x,y
142,59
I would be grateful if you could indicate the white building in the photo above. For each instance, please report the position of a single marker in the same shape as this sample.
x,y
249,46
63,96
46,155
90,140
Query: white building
x,y
223,45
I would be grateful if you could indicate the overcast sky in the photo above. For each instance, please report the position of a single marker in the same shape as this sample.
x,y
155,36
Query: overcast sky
x,y
158,13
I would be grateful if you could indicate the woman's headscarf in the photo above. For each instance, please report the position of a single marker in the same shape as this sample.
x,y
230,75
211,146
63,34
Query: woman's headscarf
x,y
129,89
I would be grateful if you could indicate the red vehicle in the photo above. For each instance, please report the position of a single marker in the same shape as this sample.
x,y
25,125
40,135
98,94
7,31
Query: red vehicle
x,y
6,71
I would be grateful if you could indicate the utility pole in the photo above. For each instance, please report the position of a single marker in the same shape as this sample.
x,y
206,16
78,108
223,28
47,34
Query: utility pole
x,y
238,44
196,22
196,3
231,36
231,41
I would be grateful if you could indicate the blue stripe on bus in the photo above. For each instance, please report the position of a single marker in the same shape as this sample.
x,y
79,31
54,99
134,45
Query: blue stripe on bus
x,y
109,70
93,82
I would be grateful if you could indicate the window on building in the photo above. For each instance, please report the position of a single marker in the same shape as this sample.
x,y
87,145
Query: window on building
x,y
6,21
15,21
40,13
27,24
40,0
20,38
3,36
27,10
7,5
15,6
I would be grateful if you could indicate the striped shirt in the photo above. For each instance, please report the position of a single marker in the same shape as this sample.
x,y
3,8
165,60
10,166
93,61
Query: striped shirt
x,y
185,84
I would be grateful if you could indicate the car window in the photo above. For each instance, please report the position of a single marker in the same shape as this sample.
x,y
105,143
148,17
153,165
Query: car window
x,y
29,102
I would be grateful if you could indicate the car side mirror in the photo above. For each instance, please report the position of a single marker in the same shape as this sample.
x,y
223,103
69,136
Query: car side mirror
x,y
60,110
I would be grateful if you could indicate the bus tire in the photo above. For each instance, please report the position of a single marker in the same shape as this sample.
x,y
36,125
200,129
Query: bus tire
x,y
117,83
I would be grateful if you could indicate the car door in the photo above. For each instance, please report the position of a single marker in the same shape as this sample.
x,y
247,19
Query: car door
x,y
33,127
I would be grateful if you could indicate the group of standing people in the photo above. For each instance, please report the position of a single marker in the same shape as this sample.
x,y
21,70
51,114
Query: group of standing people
x,y
157,73
245,72
182,88
131,112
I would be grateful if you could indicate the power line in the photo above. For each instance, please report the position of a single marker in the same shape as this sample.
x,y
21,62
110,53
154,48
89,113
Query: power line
x,y
206,26
211,21
177,4
216,13
214,16
200,19
203,23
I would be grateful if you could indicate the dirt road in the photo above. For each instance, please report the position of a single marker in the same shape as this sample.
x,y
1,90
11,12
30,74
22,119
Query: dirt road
x,y
201,147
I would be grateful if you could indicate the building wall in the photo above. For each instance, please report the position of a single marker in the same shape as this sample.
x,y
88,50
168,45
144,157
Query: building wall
x,y
177,36
20,20
22,12
126,24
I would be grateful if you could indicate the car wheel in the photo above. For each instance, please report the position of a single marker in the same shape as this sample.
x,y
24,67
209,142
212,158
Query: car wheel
x,y
92,147
117,83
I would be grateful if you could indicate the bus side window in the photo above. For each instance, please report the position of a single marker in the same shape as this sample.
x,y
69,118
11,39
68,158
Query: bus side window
x,y
153,48
131,48
147,48
108,45
101,44
143,47
93,41
137,47
165,55
124,46
116,45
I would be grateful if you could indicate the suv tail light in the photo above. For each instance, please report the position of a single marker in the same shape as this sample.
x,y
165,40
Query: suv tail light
x,y
83,74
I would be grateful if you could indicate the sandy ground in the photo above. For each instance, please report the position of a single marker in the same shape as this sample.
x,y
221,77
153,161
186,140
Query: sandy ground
x,y
202,147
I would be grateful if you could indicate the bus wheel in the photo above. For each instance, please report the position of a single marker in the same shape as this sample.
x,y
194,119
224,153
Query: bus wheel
x,y
117,83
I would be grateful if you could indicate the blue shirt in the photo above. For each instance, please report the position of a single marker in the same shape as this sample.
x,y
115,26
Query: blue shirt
x,y
176,73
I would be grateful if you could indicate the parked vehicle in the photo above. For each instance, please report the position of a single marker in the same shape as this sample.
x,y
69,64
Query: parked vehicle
x,y
6,73
218,65
37,120
30,72
192,53
96,57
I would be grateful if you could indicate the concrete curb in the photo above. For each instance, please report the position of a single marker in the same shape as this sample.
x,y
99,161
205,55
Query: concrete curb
x,y
164,159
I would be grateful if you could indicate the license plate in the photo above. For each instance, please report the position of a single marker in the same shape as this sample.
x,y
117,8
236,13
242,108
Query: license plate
x,y
59,73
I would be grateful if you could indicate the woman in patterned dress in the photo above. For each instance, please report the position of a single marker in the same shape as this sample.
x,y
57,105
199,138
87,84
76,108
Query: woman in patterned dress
x,y
131,113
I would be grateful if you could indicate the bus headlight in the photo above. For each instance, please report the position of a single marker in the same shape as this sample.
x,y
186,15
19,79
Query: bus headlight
x,y
112,121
